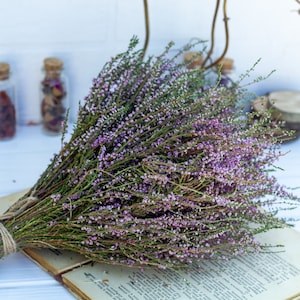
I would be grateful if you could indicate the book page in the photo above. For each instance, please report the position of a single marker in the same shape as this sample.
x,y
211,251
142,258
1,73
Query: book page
x,y
7,201
56,261
256,277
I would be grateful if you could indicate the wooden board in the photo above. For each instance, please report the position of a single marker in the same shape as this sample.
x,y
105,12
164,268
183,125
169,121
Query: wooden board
x,y
286,105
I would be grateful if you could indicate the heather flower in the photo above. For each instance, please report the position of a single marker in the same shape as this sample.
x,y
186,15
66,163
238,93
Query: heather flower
x,y
159,171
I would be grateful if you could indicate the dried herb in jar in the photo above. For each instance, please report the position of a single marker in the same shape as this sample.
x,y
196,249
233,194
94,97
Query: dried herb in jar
x,y
7,107
54,93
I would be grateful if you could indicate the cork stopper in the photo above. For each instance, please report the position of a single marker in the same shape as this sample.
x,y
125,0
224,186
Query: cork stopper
x,y
4,71
53,64
227,65
194,60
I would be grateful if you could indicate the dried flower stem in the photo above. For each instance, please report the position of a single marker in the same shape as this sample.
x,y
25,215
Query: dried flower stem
x,y
213,27
147,27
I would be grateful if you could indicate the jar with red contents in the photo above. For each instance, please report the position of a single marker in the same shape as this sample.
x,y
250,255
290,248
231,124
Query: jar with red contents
x,y
54,106
8,119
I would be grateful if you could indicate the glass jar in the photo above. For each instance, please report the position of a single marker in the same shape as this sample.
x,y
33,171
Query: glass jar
x,y
227,72
8,119
53,87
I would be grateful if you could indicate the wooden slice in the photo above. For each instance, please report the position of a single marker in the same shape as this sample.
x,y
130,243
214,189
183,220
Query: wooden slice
x,y
263,104
286,106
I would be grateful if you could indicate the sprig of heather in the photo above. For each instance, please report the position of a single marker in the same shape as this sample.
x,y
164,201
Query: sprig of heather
x,y
158,172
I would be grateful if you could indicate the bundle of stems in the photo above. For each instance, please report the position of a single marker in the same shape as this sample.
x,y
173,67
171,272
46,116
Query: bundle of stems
x,y
161,170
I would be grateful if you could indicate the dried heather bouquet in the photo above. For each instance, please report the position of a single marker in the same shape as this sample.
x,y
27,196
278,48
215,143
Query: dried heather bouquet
x,y
160,171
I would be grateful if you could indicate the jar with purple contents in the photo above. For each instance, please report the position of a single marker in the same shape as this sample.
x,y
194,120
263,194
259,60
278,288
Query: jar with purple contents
x,y
8,119
53,86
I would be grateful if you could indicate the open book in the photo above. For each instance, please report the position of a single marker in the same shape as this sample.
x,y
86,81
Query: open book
x,y
257,277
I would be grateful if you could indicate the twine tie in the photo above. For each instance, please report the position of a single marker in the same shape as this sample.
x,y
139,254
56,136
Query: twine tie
x,y
9,244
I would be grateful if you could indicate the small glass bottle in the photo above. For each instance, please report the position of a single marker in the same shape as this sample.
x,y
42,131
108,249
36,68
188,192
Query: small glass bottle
x,y
227,74
8,119
53,87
